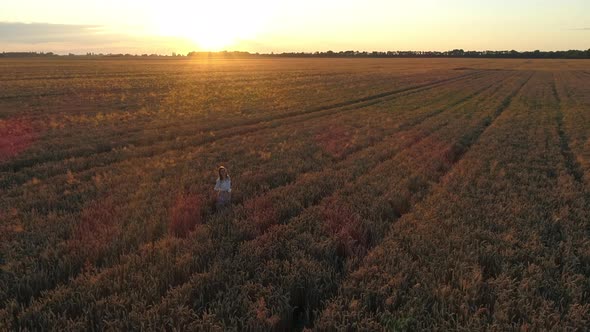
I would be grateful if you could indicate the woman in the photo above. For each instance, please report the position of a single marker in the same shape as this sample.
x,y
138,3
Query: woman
x,y
223,188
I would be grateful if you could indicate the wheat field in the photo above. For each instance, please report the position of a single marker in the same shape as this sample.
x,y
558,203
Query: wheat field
x,y
368,194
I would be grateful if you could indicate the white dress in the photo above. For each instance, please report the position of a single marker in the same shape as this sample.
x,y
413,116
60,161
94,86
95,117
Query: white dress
x,y
223,185
223,189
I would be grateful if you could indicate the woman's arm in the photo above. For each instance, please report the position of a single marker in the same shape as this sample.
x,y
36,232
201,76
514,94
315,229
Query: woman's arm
x,y
217,185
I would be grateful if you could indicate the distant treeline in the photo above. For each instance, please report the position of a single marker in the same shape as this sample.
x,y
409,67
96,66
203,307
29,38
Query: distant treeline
x,y
26,54
458,53
89,54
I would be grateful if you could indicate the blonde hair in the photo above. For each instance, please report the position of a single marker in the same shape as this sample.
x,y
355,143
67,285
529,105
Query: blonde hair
x,y
219,173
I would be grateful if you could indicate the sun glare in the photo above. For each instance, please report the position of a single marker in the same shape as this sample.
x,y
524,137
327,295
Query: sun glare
x,y
212,26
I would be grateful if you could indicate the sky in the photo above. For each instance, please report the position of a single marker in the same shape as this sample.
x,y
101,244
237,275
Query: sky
x,y
149,26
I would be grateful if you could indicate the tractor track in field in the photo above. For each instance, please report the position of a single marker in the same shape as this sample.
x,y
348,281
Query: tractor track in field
x,y
403,128
572,166
247,127
73,93
151,89
131,89
407,146
467,141
10,184
167,74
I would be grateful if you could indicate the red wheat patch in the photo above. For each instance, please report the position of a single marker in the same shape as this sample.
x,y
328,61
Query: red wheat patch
x,y
261,213
346,227
5,215
16,135
264,315
185,214
97,229
335,139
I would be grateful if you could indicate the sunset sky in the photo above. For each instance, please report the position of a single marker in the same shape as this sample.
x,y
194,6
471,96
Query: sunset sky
x,y
149,26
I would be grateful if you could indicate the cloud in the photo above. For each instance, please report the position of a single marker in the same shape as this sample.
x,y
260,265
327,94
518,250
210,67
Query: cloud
x,y
64,38
34,33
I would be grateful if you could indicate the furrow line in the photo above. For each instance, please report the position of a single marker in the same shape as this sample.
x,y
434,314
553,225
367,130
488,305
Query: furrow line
x,y
404,127
571,164
460,149
462,100
359,175
242,129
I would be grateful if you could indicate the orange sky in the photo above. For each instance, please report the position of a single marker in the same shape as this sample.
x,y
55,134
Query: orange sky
x,y
263,26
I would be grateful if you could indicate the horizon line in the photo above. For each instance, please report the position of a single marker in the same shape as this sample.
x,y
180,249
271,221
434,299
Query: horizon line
x,y
318,51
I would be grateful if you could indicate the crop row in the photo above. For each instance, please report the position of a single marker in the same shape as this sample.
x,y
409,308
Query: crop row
x,y
237,230
501,243
129,135
281,158
282,277
52,265
573,94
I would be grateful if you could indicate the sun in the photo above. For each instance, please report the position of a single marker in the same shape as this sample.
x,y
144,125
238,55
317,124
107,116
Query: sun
x,y
214,40
212,25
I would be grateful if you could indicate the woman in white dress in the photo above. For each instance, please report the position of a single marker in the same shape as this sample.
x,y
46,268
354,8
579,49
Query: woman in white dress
x,y
223,188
